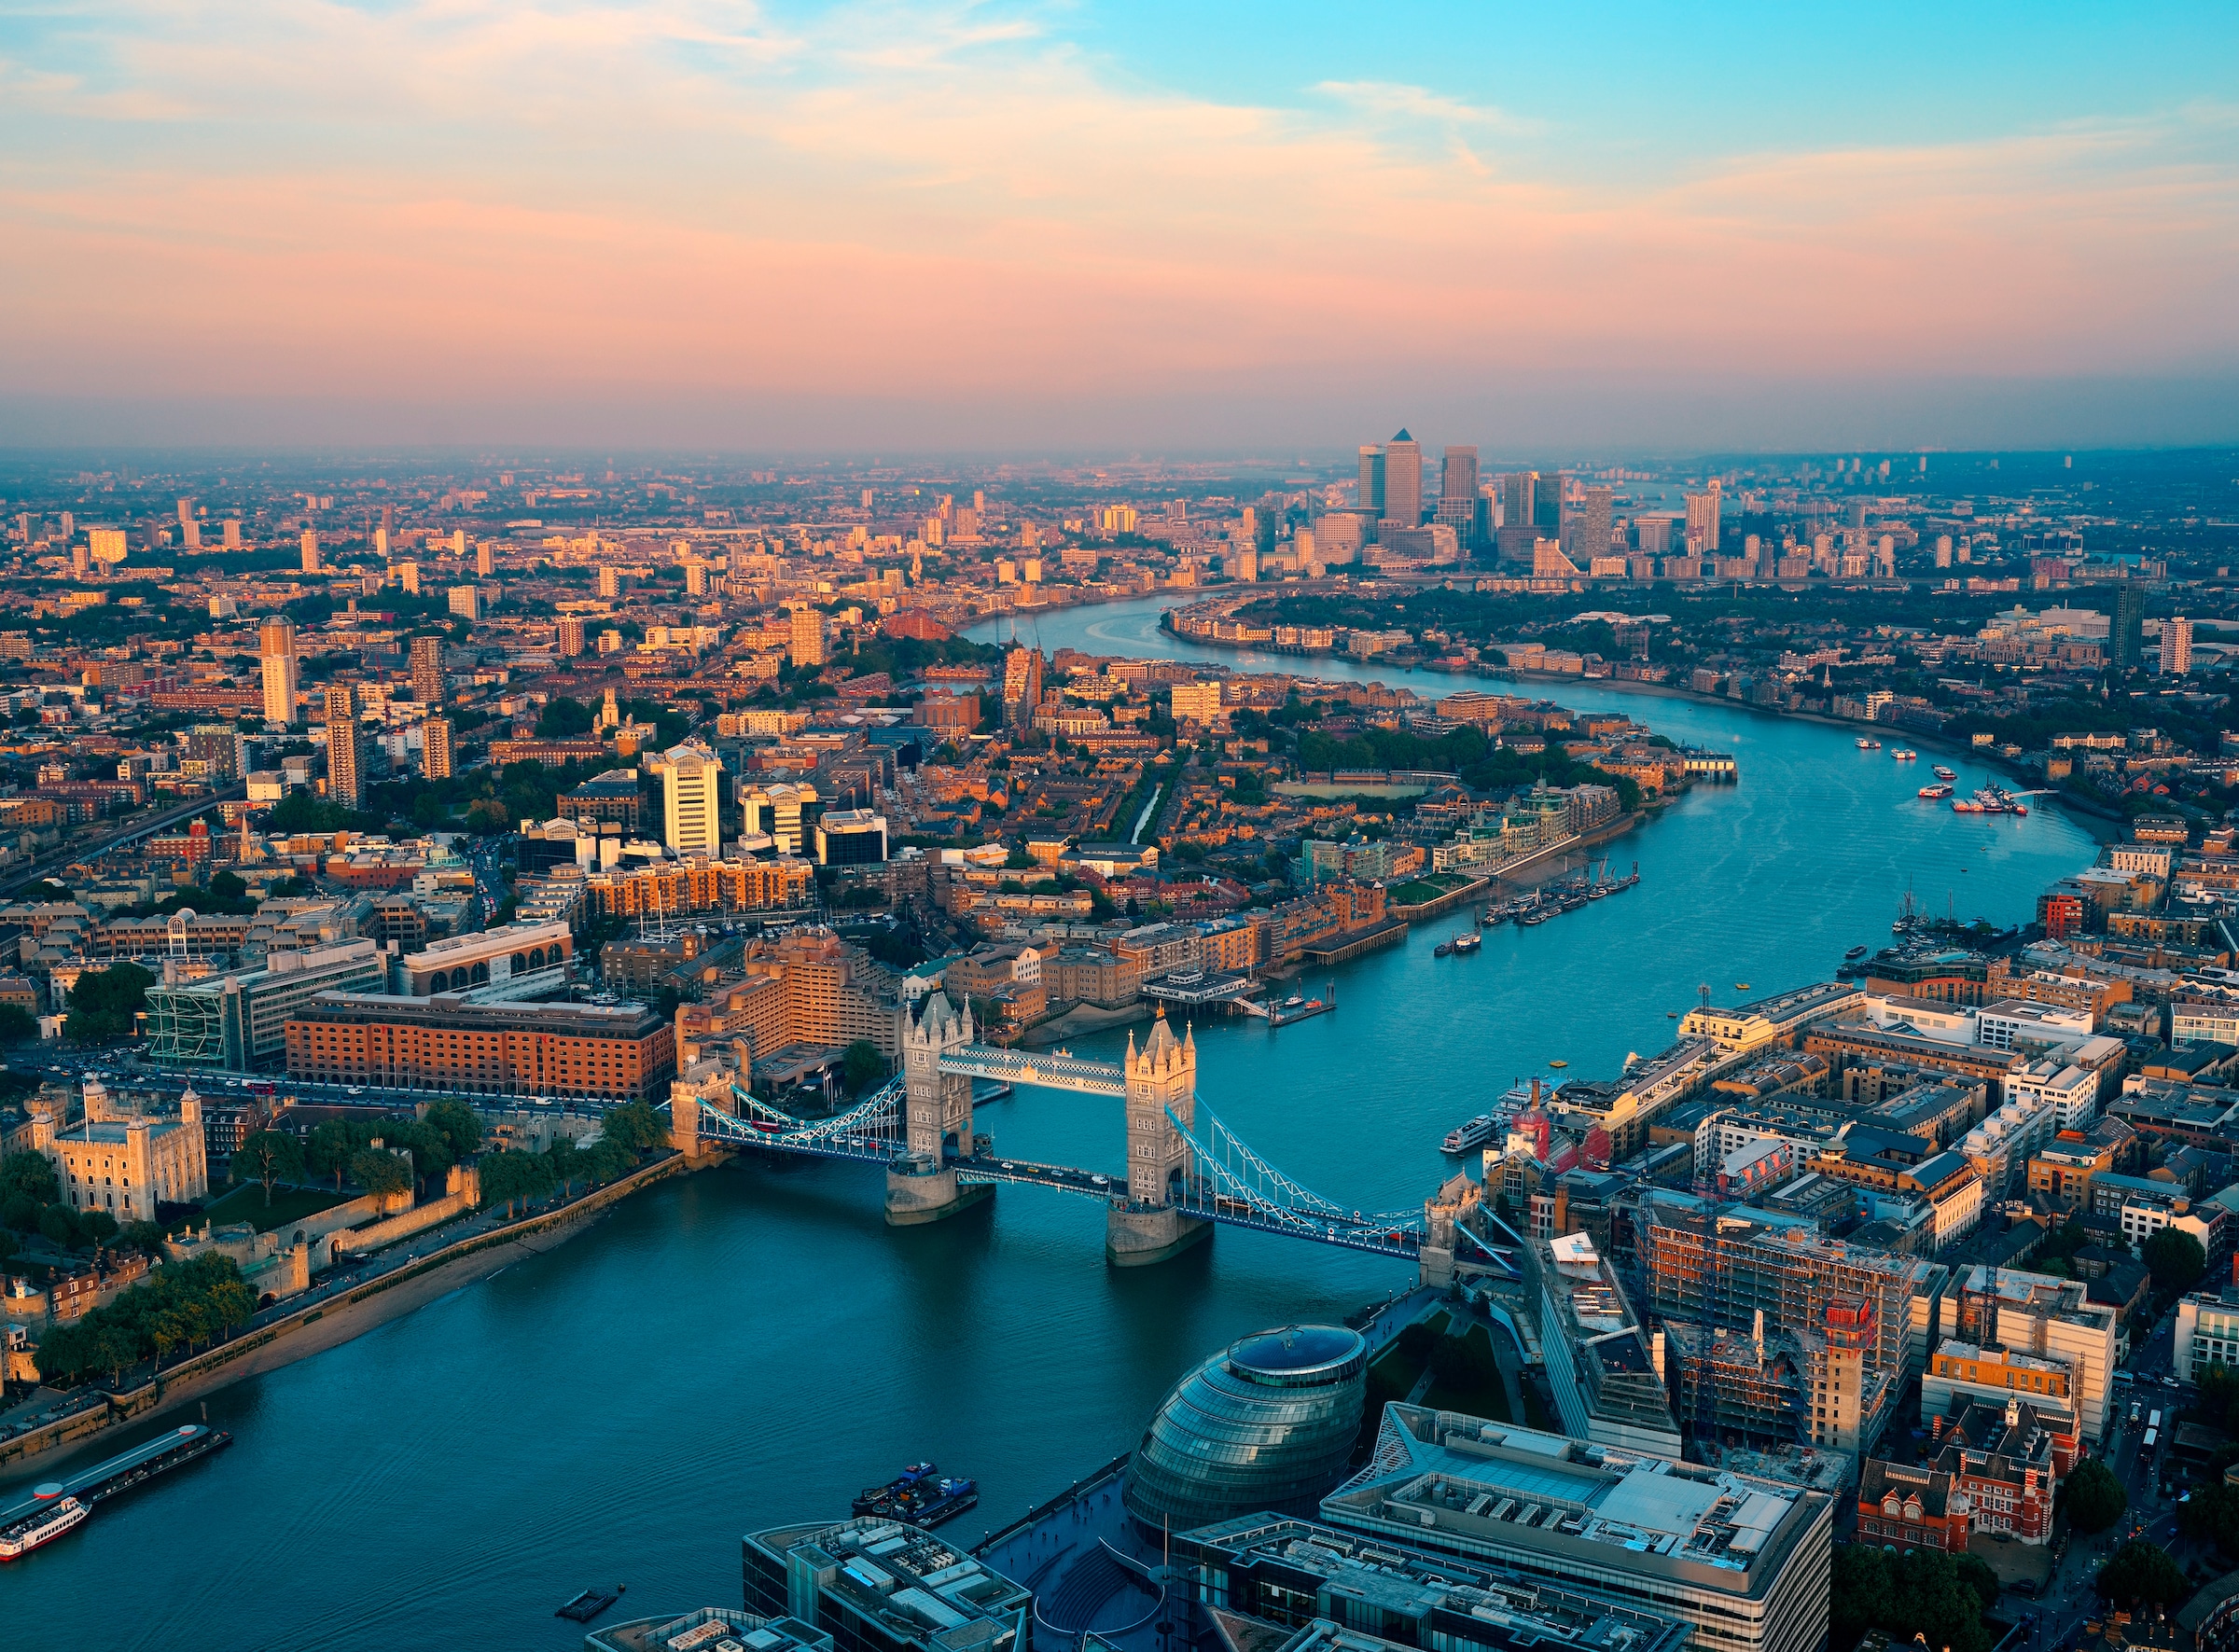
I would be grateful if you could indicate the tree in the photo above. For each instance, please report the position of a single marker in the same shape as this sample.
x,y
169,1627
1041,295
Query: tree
x,y
635,1125
380,1172
104,1004
430,1147
2175,1259
567,1164
114,1348
2143,1573
59,1225
97,1226
1976,1574
270,1156
2211,1515
2094,1496
18,1025
460,1125
31,1174
1922,1593
564,719
142,1236
332,1145
513,1176
861,1066
608,1159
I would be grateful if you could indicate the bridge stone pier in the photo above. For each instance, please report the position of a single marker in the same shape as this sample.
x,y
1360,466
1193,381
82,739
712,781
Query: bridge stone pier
x,y
937,1115
1443,1215
1161,1087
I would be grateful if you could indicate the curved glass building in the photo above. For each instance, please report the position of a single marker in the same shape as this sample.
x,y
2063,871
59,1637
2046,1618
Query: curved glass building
x,y
1265,1425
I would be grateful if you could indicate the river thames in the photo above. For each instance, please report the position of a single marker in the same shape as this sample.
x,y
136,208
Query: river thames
x,y
752,1345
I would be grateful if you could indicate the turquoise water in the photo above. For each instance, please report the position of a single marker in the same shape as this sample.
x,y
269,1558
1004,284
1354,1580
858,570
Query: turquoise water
x,y
752,1345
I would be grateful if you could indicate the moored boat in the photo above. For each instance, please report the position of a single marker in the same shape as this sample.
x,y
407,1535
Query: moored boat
x,y
1942,773
43,1525
1476,1133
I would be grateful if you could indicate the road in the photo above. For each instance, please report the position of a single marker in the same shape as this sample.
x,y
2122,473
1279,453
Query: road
x,y
2056,1617
146,826
123,1071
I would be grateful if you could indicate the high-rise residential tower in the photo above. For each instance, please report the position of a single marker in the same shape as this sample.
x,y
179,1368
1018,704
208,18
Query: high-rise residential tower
x,y
427,670
483,567
1702,520
2126,631
1594,521
806,629
2176,646
311,551
1403,481
345,746
435,748
571,635
277,646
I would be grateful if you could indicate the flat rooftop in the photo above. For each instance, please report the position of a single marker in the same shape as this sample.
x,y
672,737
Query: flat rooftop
x,y
1492,1483
1498,1608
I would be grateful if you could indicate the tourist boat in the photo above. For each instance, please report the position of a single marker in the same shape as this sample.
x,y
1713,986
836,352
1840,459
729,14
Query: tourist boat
x,y
43,1525
1942,773
1868,745
919,1494
1936,791
1463,1137
1905,755
1855,952
1468,941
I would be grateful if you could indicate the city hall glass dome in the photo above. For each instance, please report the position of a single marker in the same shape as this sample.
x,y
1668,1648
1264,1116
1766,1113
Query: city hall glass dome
x,y
1266,1425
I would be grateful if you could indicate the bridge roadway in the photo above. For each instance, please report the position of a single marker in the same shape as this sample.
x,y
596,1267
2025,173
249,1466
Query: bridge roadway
x,y
1043,1069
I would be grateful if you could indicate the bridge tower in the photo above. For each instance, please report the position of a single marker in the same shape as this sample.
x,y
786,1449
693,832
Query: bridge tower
x,y
937,1112
1149,1226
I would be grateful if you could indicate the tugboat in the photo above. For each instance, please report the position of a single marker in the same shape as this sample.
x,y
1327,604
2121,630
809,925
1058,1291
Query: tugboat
x,y
1868,745
43,1525
1444,950
1904,754
919,1495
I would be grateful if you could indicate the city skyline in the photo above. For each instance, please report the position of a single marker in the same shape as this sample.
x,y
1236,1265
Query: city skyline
x,y
803,228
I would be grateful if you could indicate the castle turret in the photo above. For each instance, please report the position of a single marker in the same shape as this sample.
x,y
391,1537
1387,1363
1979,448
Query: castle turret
x,y
1149,1226
936,1119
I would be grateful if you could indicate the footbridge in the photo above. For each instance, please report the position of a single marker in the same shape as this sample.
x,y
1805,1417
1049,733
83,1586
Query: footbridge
x,y
1186,1171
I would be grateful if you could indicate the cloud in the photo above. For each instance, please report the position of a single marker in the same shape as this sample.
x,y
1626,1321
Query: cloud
x,y
1389,100
499,199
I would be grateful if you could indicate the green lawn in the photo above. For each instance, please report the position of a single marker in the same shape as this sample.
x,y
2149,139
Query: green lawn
x,y
1413,894
245,1203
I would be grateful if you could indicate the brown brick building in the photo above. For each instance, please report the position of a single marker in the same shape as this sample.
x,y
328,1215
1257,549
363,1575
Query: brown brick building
x,y
622,1054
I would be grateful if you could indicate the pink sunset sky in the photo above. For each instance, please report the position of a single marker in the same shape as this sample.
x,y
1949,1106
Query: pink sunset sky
x,y
972,227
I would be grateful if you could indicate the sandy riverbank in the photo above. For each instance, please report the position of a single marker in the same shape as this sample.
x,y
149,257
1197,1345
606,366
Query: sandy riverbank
x,y
341,1320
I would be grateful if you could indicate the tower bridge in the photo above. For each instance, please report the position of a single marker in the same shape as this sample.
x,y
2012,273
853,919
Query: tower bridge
x,y
1186,1170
